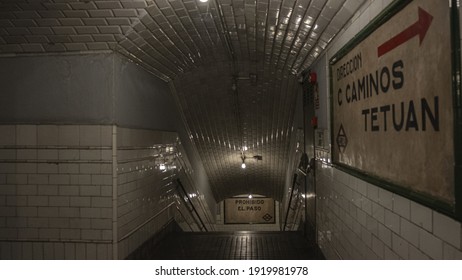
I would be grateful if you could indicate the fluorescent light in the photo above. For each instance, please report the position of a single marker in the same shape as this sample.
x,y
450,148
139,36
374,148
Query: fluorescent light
x,y
203,1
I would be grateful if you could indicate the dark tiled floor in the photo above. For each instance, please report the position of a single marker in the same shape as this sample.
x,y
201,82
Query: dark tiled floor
x,y
235,246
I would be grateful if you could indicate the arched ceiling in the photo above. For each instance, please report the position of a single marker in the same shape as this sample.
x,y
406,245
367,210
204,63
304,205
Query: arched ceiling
x,y
232,66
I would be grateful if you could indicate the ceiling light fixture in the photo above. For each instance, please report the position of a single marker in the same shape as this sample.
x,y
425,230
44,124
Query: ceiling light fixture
x,y
203,1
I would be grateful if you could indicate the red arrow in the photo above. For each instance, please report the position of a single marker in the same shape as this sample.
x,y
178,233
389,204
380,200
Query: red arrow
x,y
418,28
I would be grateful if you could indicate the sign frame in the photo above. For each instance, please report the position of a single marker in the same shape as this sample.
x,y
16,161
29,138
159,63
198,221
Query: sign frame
x,y
434,203
256,223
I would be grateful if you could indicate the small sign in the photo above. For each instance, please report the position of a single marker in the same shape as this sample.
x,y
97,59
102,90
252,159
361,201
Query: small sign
x,y
249,210
342,139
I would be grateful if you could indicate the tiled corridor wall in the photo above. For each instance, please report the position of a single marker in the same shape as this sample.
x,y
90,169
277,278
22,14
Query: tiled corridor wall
x,y
57,186
81,142
55,191
358,220
146,194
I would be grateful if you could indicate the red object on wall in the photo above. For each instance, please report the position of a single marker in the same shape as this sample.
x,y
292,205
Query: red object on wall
x,y
313,78
314,122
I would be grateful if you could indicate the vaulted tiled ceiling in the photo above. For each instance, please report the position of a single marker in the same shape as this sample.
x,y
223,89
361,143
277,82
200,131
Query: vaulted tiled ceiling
x,y
232,66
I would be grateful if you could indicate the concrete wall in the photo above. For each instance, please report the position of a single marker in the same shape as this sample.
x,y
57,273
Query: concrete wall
x,y
141,100
358,220
145,102
66,89
79,158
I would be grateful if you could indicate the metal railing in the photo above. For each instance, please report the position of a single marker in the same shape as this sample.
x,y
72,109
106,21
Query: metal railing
x,y
192,205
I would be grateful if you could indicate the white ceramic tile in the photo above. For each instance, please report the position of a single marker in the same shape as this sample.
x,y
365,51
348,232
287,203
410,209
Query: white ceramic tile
x,y
384,234
106,135
390,255
7,154
90,168
68,135
27,233
361,187
378,247
402,206
372,225
37,201
91,251
90,154
8,168
7,135
68,154
90,212
80,251
409,231
378,212
106,155
361,217
26,190
392,221
363,20
59,179
68,168
451,253
69,251
90,135
47,189
386,199
373,192
352,182
47,135
47,168
366,205
17,179
421,216
26,135
102,251
27,154
357,199
400,246
430,245
47,154
341,176
416,254
386,3
60,201
68,190
16,251
37,250
447,229
48,251
375,8
26,168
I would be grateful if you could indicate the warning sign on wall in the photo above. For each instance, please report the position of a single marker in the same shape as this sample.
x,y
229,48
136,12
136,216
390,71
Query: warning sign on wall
x,y
249,211
392,102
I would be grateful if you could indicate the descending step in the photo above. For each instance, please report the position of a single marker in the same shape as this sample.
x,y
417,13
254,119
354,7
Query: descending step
x,y
242,245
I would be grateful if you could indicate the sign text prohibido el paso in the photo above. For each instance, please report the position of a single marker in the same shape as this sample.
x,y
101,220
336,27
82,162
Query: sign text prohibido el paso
x,y
257,210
